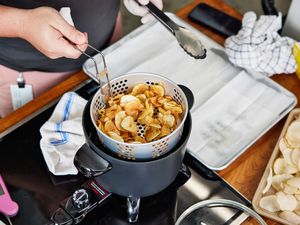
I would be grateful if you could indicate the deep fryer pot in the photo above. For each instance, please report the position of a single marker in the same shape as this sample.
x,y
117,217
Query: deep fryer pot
x,y
131,179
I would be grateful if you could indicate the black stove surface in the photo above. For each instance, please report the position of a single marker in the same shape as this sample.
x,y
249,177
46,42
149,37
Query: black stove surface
x,y
39,193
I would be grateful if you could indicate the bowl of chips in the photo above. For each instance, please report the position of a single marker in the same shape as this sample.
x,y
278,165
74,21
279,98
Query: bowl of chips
x,y
278,193
143,118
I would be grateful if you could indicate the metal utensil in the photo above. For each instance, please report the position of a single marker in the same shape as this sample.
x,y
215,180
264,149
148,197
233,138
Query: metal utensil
x,y
186,39
100,74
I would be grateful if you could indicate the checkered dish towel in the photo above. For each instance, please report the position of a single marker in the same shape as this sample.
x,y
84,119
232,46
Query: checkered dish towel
x,y
259,47
62,135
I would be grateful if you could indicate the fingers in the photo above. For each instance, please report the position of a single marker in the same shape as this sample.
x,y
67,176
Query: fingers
x,y
134,8
147,18
138,10
70,32
63,48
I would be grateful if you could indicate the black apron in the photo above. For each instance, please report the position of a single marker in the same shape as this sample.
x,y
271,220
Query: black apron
x,y
96,17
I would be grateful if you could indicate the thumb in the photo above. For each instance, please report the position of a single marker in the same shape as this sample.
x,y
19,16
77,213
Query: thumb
x,y
70,32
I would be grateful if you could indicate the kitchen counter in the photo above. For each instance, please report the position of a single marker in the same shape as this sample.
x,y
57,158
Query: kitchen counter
x,y
244,174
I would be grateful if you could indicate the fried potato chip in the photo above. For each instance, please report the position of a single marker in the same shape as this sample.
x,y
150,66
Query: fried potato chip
x,y
147,105
295,156
115,136
287,155
169,120
269,203
290,216
287,189
142,97
293,134
157,90
282,144
269,182
139,139
277,181
165,130
139,89
128,98
112,111
129,124
294,182
118,119
286,202
282,167
173,107
110,126
151,133
133,108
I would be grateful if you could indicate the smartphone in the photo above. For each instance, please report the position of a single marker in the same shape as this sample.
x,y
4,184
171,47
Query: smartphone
x,y
215,19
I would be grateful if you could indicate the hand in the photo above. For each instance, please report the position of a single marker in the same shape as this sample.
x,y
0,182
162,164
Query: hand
x,y
134,8
49,33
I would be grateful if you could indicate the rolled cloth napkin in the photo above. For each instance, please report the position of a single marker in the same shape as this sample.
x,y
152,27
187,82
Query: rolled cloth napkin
x,y
62,135
259,47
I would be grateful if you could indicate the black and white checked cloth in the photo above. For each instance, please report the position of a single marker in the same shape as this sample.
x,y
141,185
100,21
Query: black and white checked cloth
x,y
259,47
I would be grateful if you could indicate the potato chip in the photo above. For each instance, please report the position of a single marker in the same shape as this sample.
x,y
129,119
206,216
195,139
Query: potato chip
x,y
269,203
282,145
277,181
151,133
112,111
293,134
158,90
287,155
141,97
287,189
169,120
269,182
295,156
133,108
139,139
110,126
286,202
128,98
290,216
115,136
282,167
139,89
129,124
294,182
165,130
118,119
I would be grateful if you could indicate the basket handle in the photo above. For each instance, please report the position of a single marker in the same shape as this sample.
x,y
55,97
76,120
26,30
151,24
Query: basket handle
x,y
89,163
189,95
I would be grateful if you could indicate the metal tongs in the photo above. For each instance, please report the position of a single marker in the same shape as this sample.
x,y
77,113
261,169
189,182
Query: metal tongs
x,y
99,74
186,39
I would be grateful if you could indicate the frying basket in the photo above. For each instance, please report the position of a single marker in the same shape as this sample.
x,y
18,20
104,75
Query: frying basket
x,y
145,151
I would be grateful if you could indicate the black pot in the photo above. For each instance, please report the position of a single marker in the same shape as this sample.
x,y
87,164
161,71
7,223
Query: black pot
x,y
126,178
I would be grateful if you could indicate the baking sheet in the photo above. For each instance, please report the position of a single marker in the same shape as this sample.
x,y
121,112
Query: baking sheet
x,y
233,107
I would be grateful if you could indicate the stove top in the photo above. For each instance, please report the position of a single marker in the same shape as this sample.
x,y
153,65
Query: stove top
x,y
39,193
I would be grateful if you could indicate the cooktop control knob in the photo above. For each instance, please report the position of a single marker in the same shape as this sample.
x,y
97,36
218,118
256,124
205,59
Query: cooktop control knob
x,y
81,198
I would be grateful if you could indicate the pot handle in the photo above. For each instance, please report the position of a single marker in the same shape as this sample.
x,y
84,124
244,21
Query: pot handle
x,y
89,163
189,95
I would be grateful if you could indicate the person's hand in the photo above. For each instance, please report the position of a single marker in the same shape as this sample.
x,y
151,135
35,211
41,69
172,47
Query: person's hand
x,y
134,8
49,33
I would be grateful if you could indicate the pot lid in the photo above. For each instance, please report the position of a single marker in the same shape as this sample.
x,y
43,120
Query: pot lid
x,y
206,213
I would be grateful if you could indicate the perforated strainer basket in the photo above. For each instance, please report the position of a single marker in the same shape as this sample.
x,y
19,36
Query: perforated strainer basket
x,y
146,151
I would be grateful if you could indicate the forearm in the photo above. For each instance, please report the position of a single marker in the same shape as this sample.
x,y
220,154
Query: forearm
x,y
11,21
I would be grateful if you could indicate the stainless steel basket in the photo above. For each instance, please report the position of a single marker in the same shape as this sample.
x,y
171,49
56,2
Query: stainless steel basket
x,y
146,151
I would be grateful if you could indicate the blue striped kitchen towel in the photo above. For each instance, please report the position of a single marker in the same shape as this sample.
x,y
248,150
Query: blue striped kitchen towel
x,y
62,135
